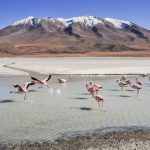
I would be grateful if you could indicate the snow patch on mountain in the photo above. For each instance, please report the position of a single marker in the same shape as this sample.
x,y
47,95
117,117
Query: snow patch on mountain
x,y
50,19
84,20
31,20
88,21
118,23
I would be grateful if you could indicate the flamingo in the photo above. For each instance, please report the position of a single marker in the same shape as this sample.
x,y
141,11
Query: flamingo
x,y
96,85
121,84
138,82
62,80
23,89
99,99
41,82
136,87
91,89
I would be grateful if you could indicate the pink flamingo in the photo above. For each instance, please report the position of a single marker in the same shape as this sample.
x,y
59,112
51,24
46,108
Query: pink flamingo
x,y
91,89
62,80
96,85
23,89
138,82
99,99
136,87
41,82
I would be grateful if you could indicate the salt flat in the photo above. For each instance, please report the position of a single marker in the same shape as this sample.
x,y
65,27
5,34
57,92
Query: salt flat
x,y
77,65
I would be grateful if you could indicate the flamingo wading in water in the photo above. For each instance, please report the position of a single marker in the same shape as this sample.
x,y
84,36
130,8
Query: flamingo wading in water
x,y
99,99
138,82
96,85
23,89
91,89
62,80
136,87
41,82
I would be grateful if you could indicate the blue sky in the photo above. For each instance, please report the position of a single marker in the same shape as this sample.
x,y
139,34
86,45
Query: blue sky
x,y
137,11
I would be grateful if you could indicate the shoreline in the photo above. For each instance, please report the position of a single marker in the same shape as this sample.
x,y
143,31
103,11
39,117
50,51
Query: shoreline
x,y
126,138
75,66
145,53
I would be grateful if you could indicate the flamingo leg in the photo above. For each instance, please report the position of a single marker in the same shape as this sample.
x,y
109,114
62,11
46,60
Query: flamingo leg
x,y
137,92
121,88
47,85
98,104
92,94
102,105
25,97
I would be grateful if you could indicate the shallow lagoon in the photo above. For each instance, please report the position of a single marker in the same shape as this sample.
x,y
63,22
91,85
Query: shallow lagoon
x,y
69,108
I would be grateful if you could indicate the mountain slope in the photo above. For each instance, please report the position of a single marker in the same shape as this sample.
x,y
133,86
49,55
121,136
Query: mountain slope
x,y
73,35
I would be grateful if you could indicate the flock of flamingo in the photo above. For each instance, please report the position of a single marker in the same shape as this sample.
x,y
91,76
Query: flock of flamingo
x,y
24,89
92,88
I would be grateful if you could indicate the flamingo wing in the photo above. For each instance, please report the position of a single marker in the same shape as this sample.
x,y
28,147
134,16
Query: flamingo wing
x,y
26,85
48,78
35,79
17,86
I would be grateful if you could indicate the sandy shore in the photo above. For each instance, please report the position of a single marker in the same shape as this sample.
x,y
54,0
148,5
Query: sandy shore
x,y
75,65
143,53
137,139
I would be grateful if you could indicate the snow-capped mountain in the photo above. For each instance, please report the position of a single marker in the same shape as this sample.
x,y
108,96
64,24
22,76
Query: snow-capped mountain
x,y
84,20
74,34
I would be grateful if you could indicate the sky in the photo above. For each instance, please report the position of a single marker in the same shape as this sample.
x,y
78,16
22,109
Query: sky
x,y
137,11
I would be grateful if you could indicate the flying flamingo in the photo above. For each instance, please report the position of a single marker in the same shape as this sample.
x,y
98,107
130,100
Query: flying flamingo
x,y
99,99
138,82
121,84
41,82
136,87
62,80
23,89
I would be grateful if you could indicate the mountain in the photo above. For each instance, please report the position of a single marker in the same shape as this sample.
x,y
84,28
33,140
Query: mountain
x,y
82,34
